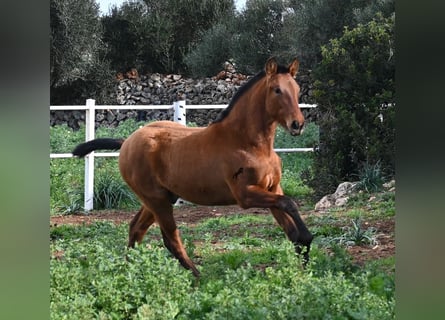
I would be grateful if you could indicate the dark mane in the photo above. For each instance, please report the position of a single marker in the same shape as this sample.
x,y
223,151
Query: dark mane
x,y
243,89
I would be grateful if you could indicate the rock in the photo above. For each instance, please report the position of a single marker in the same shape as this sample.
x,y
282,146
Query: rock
x,y
99,117
324,203
339,198
344,189
155,77
121,116
340,202
110,116
390,185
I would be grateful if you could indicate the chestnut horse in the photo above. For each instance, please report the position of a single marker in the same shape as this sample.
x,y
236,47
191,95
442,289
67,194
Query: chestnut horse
x,y
231,161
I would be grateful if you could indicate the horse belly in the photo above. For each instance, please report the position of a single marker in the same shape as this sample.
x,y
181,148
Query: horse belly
x,y
200,183
204,194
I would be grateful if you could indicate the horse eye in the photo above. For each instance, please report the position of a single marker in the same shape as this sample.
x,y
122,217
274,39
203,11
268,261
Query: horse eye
x,y
277,90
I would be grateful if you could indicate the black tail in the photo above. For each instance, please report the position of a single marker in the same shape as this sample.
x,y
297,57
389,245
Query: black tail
x,y
83,149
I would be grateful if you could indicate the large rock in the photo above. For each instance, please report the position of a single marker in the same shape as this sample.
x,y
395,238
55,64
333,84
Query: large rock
x,y
339,198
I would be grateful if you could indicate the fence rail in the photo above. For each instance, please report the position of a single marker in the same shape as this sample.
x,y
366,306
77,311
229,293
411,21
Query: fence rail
x,y
90,108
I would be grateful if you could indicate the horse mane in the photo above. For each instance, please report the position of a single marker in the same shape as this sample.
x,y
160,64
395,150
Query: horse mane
x,y
243,89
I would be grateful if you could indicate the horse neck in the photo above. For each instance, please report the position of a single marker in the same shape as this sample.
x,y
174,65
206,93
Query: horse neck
x,y
249,121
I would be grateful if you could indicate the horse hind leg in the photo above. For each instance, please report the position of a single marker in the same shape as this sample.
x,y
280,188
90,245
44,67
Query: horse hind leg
x,y
139,226
171,237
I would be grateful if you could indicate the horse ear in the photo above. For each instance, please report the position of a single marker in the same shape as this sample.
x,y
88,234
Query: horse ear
x,y
293,67
271,66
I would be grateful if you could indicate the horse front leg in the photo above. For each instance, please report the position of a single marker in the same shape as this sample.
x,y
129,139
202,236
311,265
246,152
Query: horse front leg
x,y
293,234
284,210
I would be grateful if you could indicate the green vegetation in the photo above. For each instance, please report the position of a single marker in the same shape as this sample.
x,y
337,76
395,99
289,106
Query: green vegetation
x,y
249,271
189,37
296,164
371,177
67,175
355,92
110,191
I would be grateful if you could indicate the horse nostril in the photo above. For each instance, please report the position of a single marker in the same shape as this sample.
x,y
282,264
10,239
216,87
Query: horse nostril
x,y
295,125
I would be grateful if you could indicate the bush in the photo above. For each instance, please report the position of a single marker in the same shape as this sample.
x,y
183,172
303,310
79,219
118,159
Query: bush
x,y
355,96
371,178
110,191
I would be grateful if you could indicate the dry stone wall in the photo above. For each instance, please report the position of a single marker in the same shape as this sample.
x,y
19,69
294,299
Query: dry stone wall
x,y
158,89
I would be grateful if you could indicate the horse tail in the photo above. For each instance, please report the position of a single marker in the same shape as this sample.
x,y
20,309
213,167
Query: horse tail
x,y
83,149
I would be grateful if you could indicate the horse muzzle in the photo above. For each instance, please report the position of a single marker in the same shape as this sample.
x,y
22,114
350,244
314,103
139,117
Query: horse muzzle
x,y
295,128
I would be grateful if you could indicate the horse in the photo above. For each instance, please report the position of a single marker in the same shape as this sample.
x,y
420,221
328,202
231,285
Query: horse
x,y
229,162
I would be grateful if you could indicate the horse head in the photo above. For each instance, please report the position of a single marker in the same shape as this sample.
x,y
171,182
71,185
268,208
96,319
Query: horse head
x,y
282,96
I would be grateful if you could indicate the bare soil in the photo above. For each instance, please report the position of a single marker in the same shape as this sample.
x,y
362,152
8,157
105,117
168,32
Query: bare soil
x,y
191,215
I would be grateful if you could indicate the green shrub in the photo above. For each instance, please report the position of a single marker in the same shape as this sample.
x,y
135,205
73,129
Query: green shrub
x,y
123,130
111,192
371,177
355,96
355,234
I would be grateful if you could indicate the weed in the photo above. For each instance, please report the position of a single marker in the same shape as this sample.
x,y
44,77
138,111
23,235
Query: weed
x,y
371,177
111,192
75,202
357,235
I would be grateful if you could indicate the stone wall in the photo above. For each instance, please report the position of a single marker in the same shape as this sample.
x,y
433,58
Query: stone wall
x,y
157,89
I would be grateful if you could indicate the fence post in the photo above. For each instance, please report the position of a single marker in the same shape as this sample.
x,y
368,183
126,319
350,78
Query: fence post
x,y
90,117
179,117
180,114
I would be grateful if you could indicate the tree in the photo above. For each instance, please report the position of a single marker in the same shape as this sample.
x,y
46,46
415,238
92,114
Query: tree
x,y
77,68
209,55
355,93
312,23
255,39
160,33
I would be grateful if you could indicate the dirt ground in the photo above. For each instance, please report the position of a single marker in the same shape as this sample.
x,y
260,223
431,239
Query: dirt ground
x,y
191,215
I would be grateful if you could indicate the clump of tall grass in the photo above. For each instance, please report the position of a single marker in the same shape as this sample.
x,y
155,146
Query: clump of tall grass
x,y
371,177
110,192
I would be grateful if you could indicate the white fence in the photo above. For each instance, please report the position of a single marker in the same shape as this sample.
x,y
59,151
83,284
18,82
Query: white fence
x,y
90,108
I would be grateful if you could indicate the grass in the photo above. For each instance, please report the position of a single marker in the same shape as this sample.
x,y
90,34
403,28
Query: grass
x,y
249,271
